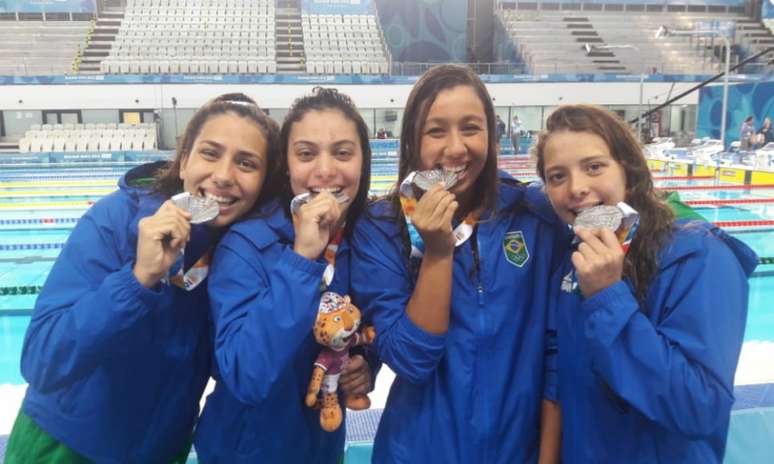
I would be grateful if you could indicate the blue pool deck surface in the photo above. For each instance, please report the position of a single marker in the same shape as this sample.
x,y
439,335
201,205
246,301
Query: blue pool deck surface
x,y
40,206
749,439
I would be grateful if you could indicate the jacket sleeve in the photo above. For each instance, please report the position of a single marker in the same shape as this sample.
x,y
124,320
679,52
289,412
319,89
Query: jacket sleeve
x,y
382,288
89,306
679,371
551,374
262,312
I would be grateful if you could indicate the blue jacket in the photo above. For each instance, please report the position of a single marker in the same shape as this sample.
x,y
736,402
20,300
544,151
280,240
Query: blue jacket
x,y
264,304
472,394
655,385
116,370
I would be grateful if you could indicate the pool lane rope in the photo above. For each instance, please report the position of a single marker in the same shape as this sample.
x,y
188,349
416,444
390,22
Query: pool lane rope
x,y
21,290
30,221
740,201
756,223
31,246
717,187
657,178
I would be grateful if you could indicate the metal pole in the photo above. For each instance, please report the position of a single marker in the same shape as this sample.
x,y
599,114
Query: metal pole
x,y
639,106
725,92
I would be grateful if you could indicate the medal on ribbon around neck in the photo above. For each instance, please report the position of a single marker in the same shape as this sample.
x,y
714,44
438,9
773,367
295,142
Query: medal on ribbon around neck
x,y
336,237
202,210
412,188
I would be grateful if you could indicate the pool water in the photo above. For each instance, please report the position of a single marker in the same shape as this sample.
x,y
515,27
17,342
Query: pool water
x,y
31,238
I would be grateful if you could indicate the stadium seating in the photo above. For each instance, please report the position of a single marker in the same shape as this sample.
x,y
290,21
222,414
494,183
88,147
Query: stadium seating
x,y
40,47
552,41
194,36
89,137
344,44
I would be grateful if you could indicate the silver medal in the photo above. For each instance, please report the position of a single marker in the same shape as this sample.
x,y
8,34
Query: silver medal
x,y
202,209
426,179
300,200
600,217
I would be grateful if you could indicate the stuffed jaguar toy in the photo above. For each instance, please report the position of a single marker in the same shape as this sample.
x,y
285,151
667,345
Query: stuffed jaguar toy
x,y
336,328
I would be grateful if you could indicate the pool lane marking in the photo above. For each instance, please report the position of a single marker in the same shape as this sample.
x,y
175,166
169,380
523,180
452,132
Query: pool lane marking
x,y
55,193
47,204
60,183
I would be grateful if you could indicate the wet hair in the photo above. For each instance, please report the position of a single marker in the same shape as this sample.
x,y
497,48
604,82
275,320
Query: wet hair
x,y
748,119
656,218
168,180
323,99
422,96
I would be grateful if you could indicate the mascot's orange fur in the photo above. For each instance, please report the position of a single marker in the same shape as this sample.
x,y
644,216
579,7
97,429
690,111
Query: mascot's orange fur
x,y
336,329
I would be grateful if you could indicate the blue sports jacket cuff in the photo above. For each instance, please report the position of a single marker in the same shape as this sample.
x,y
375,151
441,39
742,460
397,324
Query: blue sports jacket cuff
x,y
550,392
303,264
148,296
607,312
422,337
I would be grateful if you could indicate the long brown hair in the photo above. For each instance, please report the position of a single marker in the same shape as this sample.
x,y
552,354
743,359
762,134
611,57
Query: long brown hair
x,y
168,180
421,98
656,218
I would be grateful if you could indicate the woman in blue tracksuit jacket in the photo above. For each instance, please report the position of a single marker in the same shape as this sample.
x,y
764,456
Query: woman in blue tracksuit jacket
x,y
117,357
265,289
463,327
648,340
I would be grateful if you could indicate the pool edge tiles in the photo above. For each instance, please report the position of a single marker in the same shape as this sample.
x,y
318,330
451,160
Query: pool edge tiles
x,y
754,357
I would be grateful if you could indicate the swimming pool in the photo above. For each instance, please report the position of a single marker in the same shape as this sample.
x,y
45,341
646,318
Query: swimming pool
x,y
39,207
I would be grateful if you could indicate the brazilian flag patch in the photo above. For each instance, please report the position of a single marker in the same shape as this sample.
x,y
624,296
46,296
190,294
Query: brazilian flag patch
x,y
515,248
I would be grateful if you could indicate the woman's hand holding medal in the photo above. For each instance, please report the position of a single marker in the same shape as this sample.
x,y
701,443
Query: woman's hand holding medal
x,y
605,233
160,239
433,220
598,261
315,218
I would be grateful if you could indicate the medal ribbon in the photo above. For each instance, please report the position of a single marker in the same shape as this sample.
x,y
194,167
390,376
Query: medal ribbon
x,y
194,276
330,257
330,254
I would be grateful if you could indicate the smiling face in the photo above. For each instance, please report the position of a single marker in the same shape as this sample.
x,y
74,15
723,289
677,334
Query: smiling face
x,y
324,153
580,172
454,137
228,164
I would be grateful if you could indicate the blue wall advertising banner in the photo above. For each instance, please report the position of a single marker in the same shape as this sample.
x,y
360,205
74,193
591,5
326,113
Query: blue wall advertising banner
x,y
767,9
254,79
732,3
48,6
754,99
425,31
341,7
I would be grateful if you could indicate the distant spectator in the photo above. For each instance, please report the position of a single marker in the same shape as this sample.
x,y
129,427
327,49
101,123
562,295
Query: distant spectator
x,y
381,133
516,130
746,134
765,134
499,128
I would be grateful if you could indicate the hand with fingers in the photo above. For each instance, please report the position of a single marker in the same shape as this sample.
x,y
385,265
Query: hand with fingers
x,y
315,223
598,261
356,382
433,220
160,239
